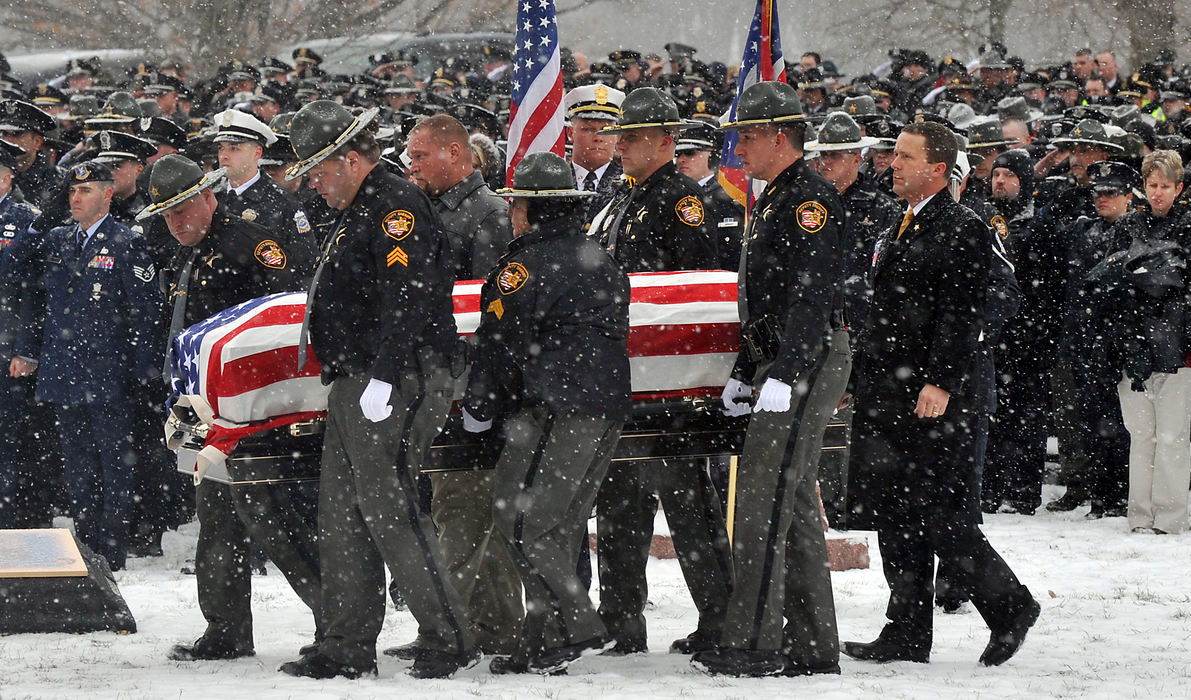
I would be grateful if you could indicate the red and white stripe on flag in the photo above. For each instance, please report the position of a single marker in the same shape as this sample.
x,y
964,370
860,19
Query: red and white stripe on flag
x,y
536,113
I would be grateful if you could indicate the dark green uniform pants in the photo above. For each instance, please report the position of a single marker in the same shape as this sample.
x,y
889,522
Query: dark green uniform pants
x,y
273,516
547,478
782,572
369,517
477,560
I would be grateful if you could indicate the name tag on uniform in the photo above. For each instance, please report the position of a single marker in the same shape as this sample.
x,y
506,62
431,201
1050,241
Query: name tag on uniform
x,y
102,262
728,223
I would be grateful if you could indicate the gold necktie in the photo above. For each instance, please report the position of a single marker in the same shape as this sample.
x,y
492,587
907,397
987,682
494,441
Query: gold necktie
x,y
905,222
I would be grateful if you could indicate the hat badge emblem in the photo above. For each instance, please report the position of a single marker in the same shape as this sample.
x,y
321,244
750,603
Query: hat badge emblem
x,y
155,192
105,140
81,172
227,119
851,109
146,122
601,95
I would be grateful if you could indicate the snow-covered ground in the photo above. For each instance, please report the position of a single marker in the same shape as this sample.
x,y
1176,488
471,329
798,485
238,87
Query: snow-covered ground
x,y
1116,623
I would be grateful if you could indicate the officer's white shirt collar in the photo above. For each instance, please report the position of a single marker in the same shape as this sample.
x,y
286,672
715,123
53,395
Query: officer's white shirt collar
x,y
90,231
703,182
251,181
918,207
581,173
2,198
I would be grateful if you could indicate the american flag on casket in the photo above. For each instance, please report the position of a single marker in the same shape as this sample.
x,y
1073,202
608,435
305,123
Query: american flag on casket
x,y
238,369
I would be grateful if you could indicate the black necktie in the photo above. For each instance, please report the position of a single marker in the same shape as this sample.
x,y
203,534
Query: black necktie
x,y
590,182
179,312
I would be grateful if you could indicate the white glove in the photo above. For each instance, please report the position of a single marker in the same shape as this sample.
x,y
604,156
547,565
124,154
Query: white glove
x,y
775,396
472,425
735,397
374,402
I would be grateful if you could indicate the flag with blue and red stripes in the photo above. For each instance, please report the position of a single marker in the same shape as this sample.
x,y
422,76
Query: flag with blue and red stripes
x,y
762,61
535,111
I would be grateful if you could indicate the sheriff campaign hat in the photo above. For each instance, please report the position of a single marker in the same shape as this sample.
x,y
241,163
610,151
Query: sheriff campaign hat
x,y
18,115
306,55
241,127
596,101
543,175
986,133
117,147
119,108
839,132
860,108
768,102
47,95
1087,131
174,180
648,107
321,127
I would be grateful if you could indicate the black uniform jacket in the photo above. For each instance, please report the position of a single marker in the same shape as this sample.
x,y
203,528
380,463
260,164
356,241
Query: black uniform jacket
x,y
554,328
236,261
924,325
664,227
279,211
383,300
793,269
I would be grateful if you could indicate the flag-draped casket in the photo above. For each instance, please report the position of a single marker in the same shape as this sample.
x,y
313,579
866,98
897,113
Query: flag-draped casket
x,y
238,369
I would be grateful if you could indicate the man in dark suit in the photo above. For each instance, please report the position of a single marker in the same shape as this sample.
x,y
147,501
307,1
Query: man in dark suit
x,y
910,472
590,108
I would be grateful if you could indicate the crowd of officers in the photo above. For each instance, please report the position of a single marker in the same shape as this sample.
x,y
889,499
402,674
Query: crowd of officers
x,y
132,207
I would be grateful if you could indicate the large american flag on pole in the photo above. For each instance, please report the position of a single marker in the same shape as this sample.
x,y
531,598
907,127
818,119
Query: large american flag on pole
x,y
535,110
762,61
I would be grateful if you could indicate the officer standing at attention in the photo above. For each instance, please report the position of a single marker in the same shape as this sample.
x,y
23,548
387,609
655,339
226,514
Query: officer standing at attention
x,y
794,346
100,340
658,224
26,126
223,261
241,140
590,108
380,317
552,359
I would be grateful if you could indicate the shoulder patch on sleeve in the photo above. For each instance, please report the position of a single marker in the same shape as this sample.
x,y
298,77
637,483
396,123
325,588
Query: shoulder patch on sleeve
x,y
512,278
397,224
811,216
270,254
689,210
1000,226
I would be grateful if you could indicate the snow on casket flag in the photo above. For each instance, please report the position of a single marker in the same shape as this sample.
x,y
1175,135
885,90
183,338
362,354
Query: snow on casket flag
x,y
238,369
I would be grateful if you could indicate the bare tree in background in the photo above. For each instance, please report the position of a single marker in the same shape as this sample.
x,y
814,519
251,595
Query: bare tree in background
x,y
207,33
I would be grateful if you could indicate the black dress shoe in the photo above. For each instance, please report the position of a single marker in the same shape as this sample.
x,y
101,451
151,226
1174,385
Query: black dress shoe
x,y
1074,498
793,668
751,663
318,666
557,659
624,647
506,665
206,649
884,651
694,643
407,652
1002,646
308,649
431,663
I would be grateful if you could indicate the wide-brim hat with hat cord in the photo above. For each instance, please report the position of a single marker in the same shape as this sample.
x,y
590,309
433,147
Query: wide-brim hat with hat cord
x,y
176,179
543,175
767,102
1088,132
646,108
840,132
319,129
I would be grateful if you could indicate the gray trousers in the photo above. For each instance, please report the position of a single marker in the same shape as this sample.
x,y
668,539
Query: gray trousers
x,y
1158,421
547,477
273,516
780,554
478,562
368,517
